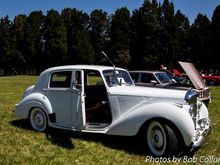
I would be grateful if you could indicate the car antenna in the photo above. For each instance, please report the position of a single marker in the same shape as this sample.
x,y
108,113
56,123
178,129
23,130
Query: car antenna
x,y
108,59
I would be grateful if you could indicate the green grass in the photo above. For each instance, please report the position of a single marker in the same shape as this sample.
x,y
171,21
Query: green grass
x,y
19,144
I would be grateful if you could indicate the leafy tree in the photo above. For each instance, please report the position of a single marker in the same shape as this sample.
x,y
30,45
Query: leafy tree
x,y
145,46
200,37
152,35
34,42
80,49
168,38
98,26
120,35
10,57
19,44
215,37
181,37
55,39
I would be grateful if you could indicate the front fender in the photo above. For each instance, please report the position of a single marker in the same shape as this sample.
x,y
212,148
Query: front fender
x,y
33,100
130,123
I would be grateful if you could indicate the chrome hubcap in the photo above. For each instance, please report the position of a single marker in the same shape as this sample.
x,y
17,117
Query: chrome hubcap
x,y
156,138
39,119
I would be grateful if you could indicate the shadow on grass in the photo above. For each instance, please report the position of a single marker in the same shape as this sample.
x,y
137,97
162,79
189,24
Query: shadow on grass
x,y
63,138
60,138
22,123
57,137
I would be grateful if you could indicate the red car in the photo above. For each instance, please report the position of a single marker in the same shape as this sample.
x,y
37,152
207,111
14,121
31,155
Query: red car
x,y
212,80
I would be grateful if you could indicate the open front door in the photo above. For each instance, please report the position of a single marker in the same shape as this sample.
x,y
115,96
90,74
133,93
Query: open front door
x,y
78,99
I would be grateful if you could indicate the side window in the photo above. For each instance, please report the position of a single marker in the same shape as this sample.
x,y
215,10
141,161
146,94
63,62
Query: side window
x,y
146,78
93,78
60,79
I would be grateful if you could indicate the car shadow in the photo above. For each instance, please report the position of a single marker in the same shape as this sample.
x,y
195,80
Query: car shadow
x,y
65,139
21,123
57,137
128,144
60,138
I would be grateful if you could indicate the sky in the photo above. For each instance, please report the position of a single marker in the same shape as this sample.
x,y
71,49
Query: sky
x,y
190,8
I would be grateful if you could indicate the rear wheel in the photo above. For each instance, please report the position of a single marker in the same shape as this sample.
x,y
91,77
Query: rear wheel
x,y
161,139
38,119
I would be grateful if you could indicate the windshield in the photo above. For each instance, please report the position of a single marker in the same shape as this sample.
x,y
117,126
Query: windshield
x,y
117,77
164,77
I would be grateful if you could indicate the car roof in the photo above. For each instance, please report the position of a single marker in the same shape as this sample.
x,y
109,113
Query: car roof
x,y
69,67
43,77
145,71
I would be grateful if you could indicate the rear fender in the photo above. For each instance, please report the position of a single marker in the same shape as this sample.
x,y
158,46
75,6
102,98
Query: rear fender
x,y
33,100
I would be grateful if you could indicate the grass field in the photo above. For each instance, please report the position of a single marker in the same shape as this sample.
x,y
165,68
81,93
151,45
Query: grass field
x,y
19,144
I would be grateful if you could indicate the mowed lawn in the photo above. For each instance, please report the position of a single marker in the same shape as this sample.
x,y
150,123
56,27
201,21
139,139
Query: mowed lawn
x,y
19,144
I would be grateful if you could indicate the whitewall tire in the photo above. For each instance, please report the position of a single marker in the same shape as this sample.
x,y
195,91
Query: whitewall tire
x,y
161,139
38,119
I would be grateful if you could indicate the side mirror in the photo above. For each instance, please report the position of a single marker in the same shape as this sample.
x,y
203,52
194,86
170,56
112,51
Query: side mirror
x,y
153,82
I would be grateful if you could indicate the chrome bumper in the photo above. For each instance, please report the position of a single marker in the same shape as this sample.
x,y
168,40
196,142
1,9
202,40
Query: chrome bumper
x,y
201,134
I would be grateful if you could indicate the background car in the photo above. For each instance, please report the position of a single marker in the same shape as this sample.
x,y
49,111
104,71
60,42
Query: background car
x,y
212,79
162,79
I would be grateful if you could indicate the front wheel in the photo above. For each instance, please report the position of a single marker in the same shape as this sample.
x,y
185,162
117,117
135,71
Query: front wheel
x,y
161,139
38,119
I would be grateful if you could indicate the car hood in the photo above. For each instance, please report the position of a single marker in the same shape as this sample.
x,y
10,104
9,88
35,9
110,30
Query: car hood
x,y
193,74
162,93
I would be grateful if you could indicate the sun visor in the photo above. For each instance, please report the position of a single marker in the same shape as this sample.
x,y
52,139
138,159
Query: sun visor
x,y
193,74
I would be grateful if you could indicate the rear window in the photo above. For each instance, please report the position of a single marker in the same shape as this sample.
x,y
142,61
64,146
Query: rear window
x,y
60,79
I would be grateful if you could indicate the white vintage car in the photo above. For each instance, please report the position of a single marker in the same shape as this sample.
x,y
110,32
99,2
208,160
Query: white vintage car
x,y
103,99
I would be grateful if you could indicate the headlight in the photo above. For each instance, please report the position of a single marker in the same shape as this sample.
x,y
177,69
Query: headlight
x,y
191,97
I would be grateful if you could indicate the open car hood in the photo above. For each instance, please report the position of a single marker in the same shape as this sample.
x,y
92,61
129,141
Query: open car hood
x,y
193,74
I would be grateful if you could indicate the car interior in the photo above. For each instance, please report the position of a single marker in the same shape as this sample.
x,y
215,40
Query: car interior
x,y
96,101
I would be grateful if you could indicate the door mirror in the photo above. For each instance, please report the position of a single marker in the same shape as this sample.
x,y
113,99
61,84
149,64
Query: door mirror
x,y
153,82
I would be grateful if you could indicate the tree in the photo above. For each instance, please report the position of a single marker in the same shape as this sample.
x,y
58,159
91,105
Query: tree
x,y
146,29
80,49
19,44
168,38
33,42
10,57
55,39
215,37
120,35
181,37
98,26
200,37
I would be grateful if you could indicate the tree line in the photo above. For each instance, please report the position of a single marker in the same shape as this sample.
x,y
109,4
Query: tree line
x,y
143,39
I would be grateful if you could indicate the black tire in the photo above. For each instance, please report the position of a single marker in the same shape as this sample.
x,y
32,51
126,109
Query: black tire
x,y
161,139
38,119
211,83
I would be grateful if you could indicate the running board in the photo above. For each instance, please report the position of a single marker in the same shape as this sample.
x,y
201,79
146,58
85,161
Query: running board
x,y
90,127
